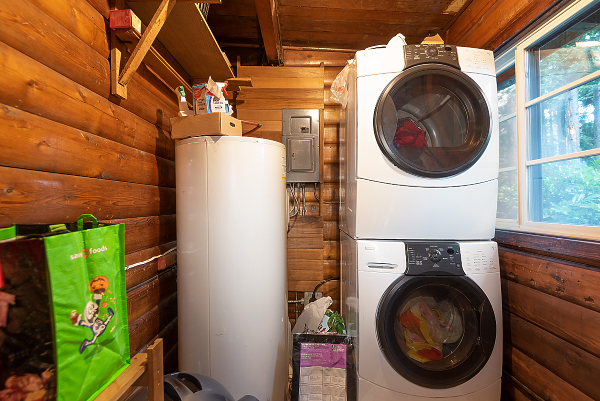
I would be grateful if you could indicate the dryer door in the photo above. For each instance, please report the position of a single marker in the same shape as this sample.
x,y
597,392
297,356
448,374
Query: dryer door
x,y
436,331
432,121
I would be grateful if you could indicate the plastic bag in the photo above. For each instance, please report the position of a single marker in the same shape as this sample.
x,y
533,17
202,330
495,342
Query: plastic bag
x,y
339,87
311,316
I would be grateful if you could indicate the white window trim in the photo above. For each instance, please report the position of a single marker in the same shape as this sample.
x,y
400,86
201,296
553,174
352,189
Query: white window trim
x,y
517,56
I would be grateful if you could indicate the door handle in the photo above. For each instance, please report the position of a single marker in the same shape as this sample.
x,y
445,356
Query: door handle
x,y
375,265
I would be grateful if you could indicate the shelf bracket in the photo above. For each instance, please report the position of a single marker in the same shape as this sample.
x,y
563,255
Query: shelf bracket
x,y
119,81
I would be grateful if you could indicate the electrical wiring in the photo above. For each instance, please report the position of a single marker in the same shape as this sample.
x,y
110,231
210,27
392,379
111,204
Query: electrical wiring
x,y
313,298
150,260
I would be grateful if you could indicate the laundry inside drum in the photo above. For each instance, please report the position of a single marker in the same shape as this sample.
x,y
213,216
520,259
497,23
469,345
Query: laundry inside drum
x,y
436,327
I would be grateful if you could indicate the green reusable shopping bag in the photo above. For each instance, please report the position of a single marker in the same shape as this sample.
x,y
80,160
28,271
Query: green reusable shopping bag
x,y
89,308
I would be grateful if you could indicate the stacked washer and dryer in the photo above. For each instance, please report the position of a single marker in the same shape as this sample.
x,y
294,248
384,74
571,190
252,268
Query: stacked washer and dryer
x,y
420,275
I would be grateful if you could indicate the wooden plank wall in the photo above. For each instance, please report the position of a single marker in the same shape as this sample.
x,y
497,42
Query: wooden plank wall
x,y
487,24
304,82
67,147
551,288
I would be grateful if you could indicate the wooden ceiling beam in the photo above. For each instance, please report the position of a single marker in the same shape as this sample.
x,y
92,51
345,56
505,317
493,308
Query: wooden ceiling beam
x,y
266,10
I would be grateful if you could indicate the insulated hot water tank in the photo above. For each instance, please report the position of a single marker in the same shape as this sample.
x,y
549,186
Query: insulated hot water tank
x,y
231,258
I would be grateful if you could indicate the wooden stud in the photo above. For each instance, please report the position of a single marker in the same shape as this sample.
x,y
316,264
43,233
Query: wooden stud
x,y
269,27
155,371
116,52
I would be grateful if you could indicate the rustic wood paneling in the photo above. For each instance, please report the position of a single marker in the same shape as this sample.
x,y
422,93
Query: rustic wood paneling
x,y
81,19
33,142
561,279
35,34
539,380
143,298
145,272
28,85
147,232
305,255
551,316
293,57
573,323
143,329
582,251
34,197
569,362
487,24
67,147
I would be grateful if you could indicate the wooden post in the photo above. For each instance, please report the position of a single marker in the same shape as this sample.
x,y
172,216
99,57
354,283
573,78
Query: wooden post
x,y
116,52
155,371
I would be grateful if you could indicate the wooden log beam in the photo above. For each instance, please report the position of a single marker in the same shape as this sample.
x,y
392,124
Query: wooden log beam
x,y
145,272
34,197
569,281
147,232
573,323
572,364
577,250
143,298
268,19
36,143
143,329
539,380
31,86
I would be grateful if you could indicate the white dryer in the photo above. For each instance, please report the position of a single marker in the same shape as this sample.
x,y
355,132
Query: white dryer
x,y
427,317
420,144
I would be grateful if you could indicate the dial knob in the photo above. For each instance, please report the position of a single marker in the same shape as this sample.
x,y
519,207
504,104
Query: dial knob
x,y
435,255
432,51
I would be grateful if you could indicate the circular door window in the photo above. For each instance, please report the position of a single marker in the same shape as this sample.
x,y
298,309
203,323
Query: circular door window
x,y
432,121
437,332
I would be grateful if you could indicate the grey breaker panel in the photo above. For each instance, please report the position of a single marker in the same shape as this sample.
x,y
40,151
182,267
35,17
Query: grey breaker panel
x,y
301,140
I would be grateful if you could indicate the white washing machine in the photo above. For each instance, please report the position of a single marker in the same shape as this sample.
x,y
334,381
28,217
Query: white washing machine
x,y
427,317
420,144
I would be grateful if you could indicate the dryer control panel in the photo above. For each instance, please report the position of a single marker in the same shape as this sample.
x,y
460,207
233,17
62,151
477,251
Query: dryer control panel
x,y
433,258
432,53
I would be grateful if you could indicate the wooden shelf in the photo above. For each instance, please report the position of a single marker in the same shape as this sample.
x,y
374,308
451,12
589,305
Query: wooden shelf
x,y
187,37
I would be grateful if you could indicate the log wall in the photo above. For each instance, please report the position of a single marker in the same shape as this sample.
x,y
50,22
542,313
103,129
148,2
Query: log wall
x,y
551,288
67,147
304,82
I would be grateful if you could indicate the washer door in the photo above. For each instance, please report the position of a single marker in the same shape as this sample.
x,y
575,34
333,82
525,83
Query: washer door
x,y
433,121
437,332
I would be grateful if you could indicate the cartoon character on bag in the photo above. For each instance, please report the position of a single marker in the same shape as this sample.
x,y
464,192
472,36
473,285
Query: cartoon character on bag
x,y
89,318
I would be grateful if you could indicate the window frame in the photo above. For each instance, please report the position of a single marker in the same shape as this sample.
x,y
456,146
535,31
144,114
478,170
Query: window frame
x,y
517,56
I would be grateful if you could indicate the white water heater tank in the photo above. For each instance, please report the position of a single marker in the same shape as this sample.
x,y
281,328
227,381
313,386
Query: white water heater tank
x,y
231,262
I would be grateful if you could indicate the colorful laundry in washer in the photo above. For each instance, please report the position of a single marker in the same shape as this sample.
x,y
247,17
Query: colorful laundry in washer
x,y
427,326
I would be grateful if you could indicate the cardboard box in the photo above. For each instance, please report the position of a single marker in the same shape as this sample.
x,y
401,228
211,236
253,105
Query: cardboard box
x,y
205,124
125,19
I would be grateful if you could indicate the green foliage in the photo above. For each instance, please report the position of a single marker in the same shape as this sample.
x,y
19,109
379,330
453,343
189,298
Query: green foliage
x,y
571,192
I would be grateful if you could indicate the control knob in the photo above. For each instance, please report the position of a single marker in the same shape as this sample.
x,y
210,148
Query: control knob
x,y
435,255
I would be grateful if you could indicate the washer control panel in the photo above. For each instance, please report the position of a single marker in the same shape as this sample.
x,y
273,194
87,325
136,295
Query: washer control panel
x,y
434,258
480,259
431,53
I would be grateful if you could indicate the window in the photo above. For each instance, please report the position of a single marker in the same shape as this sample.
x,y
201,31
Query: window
x,y
549,107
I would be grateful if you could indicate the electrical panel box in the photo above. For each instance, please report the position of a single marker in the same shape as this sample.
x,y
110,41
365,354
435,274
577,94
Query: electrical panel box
x,y
301,137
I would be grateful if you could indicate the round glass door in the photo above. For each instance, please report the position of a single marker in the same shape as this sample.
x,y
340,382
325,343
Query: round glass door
x,y
432,121
437,332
